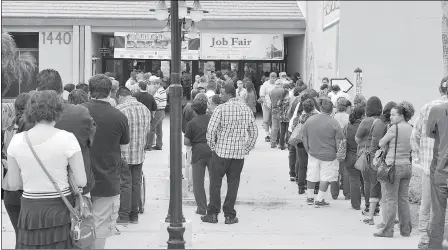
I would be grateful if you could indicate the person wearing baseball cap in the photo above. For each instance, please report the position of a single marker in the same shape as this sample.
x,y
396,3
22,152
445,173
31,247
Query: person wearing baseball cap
x,y
423,152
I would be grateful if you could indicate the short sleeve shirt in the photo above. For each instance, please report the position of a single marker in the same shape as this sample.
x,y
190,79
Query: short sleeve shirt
x,y
196,132
437,128
146,99
54,154
105,153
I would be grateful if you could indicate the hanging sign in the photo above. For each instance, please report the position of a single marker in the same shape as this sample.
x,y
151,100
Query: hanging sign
x,y
152,46
242,47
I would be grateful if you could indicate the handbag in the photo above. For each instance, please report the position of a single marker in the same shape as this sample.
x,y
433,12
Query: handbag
x,y
296,135
387,172
362,163
82,230
341,154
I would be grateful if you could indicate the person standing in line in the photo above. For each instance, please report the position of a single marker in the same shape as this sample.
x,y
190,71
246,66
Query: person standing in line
x,y
321,135
422,148
139,119
195,137
370,131
214,102
231,135
131,83
75,119
275,95
228,78
283,106
44,221
241,92
111,138
354,174
437,128
156,123
251,99
188,113
265,89
398,154
145,98
83,87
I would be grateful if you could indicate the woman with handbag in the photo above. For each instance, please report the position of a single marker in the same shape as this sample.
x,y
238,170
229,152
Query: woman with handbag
x,y
396,171
370,131
45,219
352,148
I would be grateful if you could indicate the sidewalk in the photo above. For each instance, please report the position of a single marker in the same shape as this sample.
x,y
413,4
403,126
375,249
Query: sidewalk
x,y
271,213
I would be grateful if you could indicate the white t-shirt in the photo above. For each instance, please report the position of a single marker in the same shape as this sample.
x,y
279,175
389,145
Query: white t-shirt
x,y
334,98
266,88
54,154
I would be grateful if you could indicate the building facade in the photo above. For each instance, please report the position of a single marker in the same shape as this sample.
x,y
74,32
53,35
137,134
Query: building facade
x,y
83,38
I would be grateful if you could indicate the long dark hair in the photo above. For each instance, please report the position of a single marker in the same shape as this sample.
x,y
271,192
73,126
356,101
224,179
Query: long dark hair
x,y
250,87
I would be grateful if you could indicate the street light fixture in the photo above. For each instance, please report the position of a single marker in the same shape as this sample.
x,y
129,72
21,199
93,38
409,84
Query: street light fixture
x,y
176,25
193,32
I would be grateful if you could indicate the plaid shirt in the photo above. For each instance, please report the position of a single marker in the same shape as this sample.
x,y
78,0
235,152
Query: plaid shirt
x,y
232,131
422,145
139,118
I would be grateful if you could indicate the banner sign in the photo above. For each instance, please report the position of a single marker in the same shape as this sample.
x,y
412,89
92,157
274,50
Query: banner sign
x,y
242,47
152,46
331,13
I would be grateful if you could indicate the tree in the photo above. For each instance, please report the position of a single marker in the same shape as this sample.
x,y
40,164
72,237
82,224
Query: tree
x,y
445,35
17,68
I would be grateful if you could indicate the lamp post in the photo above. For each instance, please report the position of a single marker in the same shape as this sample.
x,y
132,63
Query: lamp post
x,y
177,13
358,80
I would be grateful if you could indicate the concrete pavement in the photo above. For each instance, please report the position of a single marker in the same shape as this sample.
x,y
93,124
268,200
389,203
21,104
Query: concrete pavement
x,y
271,213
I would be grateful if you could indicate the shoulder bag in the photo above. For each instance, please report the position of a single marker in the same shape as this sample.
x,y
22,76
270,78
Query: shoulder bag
x,y
341,153
82,231
296,135
387,172
363,161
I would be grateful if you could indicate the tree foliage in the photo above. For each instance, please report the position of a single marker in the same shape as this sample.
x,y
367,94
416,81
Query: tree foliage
x,y
17,68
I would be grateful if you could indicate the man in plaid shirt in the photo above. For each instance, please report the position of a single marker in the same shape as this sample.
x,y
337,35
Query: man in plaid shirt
x,y
231,135
422,147
139,119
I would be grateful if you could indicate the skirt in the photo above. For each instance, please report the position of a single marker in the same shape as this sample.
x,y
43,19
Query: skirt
x,y
44,224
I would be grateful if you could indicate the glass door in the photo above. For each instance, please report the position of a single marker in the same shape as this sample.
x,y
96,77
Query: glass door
x,y
186,78
115,66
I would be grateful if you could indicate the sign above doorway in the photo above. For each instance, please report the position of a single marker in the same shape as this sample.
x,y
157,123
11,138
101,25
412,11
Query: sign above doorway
x,y
242,47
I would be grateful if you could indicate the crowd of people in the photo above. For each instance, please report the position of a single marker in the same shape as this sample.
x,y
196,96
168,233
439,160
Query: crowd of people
x,y
101,130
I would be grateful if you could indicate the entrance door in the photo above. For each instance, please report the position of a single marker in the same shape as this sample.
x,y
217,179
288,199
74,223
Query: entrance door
x,y
116,66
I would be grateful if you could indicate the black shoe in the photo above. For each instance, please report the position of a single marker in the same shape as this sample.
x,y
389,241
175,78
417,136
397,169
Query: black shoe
x,y
231,220
122,222
301,190
310,201
148,148
348,197
383,235
366,211
356,208
316,191
133,218
157,148
267,139
201,212
210,218
292,178
377,211
335,197
322,203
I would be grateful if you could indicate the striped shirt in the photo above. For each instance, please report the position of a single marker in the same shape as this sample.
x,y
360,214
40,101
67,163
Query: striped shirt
x,y
232,131
422,145
160,98
139,119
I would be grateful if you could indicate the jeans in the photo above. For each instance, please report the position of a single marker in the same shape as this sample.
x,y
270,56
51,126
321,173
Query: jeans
x,y
398,194
302,165
13,212
156,129
439,196
354,176
283,133
130,191
267,117
425,207
292,161
220,167
198,183
275,130
343,177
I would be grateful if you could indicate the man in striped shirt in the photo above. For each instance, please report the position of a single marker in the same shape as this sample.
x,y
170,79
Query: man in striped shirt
x,y
139,119
231,135
156,123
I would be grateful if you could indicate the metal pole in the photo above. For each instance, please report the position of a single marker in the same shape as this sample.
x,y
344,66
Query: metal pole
x,y
175,229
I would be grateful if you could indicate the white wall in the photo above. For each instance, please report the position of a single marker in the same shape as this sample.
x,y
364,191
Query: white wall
x,y
56,52
296,55
321,46
397,45
96,45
